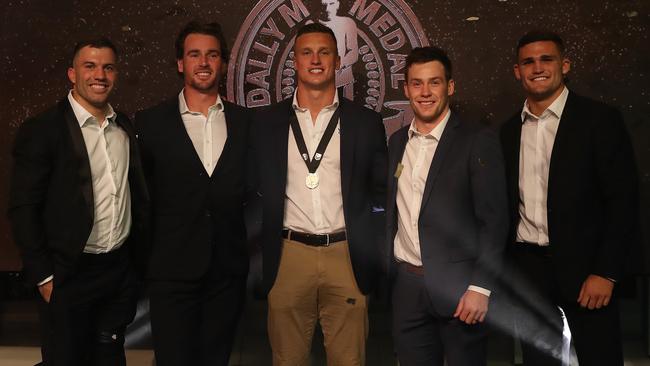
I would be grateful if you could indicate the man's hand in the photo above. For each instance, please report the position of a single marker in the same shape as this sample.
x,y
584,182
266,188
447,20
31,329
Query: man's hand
x,y
472,307
46,290
596,292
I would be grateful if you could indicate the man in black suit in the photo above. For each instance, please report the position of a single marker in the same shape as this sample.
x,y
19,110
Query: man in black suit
x,y
447,222
572,190
194,154
77,193
321,168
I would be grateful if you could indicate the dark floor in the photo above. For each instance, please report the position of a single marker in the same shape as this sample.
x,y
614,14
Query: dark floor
x,y
19,327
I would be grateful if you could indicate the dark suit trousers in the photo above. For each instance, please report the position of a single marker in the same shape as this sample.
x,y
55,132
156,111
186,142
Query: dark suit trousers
x,y
423,337
536,298
85,320
194,322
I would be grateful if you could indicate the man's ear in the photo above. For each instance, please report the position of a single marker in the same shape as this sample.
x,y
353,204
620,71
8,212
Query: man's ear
x,y
566,66
515,69
451,87
71,75
179,65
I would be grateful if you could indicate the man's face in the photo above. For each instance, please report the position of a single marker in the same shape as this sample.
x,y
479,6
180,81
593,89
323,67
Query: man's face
x,y
428,91
201,65
93,74
541,69
331,7
317,60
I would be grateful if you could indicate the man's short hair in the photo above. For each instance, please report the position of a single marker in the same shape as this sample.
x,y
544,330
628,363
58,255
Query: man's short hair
x,y
540,35
420,55
99,42
315,28
211,29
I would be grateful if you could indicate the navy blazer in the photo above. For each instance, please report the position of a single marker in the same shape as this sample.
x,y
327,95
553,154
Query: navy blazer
x,y
363,180
463,222
592,199
51,204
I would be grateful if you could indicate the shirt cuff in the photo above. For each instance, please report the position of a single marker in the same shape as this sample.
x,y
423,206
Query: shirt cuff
x,y
480,290
48,279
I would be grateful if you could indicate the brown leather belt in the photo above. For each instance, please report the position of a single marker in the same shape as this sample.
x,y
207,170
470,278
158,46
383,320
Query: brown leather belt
x,y
408,267
315,240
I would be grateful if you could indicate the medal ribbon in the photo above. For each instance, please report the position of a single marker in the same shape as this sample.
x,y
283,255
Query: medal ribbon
x,y
312,164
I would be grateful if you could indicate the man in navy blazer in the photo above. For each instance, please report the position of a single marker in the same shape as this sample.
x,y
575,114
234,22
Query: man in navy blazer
x,y
194,150
321,229
77,208
447,222
573,204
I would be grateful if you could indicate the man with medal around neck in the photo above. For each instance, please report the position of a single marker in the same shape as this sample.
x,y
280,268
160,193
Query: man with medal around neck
x,y
322,215
194,148
447,222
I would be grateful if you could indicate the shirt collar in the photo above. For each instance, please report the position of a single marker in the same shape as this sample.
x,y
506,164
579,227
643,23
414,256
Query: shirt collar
x,y
436,132
182,104
557,107
296,107
82,115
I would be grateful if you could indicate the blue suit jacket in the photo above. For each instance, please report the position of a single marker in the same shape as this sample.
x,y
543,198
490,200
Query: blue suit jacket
x,y
463,217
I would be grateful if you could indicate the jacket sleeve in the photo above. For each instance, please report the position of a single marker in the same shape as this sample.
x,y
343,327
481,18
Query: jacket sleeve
x,y
30,178
617,182
488,187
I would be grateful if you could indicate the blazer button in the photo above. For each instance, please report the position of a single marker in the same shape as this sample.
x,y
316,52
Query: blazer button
x,y
207,214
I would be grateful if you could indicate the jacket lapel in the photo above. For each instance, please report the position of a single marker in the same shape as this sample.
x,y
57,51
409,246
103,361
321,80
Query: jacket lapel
x,y
79,146
562,138
395,157
348,137
512,143
446,141
230,131
136,174
177,128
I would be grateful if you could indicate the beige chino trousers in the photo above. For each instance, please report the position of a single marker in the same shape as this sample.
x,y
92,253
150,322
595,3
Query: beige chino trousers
x,y
317,284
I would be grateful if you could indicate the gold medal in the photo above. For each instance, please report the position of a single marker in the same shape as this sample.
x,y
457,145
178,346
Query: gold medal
x,y
311,181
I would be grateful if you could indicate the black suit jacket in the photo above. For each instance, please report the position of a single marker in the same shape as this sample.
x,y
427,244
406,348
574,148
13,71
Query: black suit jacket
x,y
197,219
592,196
51,205
463,217
363,180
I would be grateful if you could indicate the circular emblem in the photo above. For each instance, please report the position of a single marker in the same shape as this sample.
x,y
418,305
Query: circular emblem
x,y
373,40
312,180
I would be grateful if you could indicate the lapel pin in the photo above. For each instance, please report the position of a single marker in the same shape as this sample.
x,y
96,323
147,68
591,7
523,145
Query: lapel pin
x,y
398,170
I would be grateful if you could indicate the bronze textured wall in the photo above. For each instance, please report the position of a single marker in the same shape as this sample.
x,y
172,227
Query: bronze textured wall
x,y
607,43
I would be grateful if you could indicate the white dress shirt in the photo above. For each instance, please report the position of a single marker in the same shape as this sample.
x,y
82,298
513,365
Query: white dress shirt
x,y
537,138
318,210
416,161
108,151
208,133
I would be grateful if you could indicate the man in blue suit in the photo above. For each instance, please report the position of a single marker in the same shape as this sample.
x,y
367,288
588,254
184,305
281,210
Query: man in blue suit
x,y
447,222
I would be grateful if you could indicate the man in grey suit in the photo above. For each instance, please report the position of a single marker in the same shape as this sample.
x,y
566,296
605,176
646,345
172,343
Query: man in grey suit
x,y
447,222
